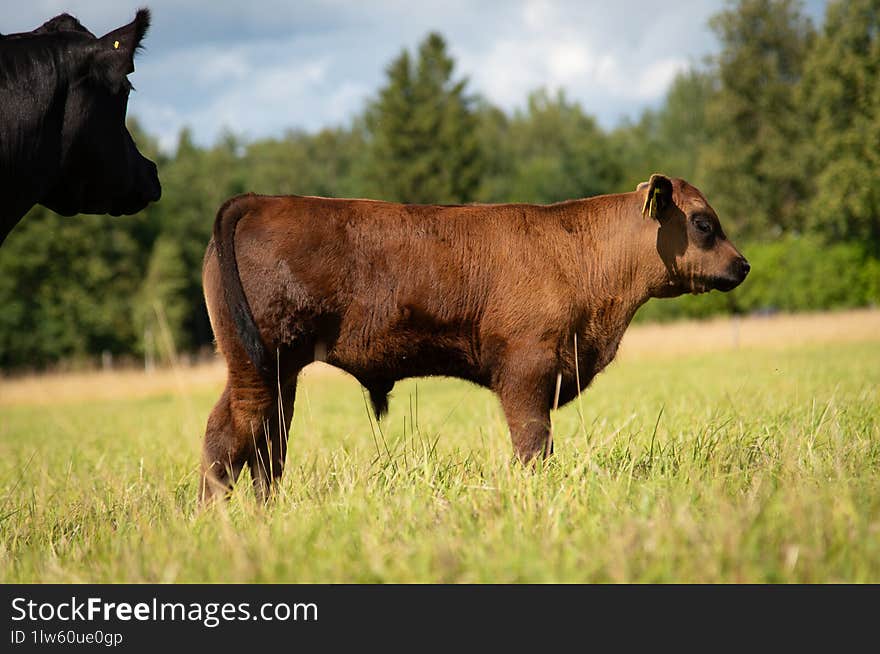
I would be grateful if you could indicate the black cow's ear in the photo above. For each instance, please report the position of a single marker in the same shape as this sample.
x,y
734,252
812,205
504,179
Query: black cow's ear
x,y
116,49
658,197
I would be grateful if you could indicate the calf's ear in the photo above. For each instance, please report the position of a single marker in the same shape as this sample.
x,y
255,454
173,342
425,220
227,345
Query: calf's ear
x,y
116,49
658,197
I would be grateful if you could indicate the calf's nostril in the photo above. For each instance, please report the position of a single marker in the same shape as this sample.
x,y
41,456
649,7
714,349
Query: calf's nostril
x,y
744,265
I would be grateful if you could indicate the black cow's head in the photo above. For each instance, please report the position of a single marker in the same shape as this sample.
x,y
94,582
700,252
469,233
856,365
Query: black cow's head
x,y
101,169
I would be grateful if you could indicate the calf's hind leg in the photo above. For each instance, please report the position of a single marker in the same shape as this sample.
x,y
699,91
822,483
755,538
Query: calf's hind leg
x,y
234,427
250,425
239,425
269,451
266,461
224,450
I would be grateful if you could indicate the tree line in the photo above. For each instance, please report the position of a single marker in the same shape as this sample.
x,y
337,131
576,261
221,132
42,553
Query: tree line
x,y
780,129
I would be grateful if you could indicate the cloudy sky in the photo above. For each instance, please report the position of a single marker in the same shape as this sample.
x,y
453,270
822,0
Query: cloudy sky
x,y
262,66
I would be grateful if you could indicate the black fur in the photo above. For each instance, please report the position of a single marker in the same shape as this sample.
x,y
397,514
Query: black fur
x,y
64,144
379,390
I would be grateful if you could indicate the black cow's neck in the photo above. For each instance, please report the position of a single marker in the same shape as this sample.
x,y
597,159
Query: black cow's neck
x,y
32,109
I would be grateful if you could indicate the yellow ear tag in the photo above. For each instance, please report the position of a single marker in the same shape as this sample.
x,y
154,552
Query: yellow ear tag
x,y
652,206
116,45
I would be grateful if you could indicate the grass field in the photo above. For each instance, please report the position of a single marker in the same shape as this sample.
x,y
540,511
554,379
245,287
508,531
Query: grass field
x,y
708,452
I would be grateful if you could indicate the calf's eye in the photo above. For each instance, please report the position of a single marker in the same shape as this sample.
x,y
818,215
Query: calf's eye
x,y
703,226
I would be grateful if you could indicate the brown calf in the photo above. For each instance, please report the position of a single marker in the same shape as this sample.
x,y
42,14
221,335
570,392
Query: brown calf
x,y
495,294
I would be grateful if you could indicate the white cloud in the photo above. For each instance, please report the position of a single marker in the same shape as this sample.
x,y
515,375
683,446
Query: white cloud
x,y
552,47
222,66
161,120
656,78
271,98
254,89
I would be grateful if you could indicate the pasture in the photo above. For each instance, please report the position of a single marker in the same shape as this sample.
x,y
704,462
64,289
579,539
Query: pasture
x,y
723,451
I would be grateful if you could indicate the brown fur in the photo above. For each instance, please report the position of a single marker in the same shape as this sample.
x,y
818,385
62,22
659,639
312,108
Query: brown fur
x,y
494,294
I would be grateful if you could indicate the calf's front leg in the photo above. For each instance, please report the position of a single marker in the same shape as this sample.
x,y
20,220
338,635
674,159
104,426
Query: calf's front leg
x,y
525,393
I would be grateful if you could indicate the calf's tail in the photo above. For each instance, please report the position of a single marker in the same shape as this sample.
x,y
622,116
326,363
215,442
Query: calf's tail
x,y
228,217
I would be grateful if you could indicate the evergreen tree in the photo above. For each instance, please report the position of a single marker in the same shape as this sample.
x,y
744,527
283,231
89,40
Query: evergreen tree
x,y
752,174
423,131
669,139
329,163
551,152
841,93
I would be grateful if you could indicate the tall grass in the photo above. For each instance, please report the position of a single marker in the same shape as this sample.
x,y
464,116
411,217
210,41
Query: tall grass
x,y
754,464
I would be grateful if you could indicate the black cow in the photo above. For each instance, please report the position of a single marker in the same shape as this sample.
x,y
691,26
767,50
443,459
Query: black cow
x,y
63,140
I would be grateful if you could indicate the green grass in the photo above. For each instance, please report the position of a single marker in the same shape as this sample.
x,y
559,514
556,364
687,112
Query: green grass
x,y
759,465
